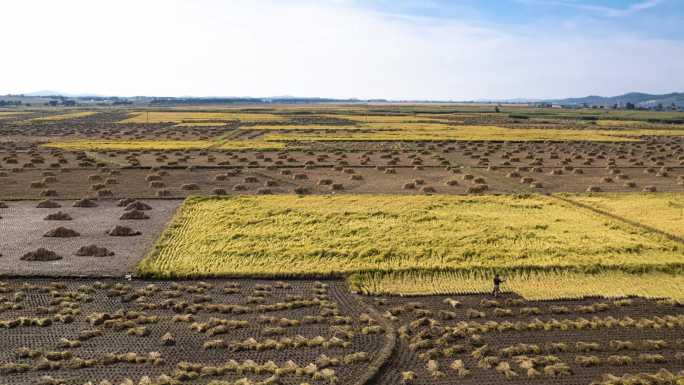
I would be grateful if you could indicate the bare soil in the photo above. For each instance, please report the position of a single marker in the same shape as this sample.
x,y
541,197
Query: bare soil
x,y
333,308
22,227
410,310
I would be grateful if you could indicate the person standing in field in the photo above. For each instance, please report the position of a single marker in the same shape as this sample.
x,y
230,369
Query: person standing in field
x,y
497,285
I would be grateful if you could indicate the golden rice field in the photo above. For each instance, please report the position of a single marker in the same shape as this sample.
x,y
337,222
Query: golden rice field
x,y
266,127
335,235
402,131
199,124
129,145
543,285
160,145
68,116
247,144
386,118
194,117
662,211
429,132
619,123
9,114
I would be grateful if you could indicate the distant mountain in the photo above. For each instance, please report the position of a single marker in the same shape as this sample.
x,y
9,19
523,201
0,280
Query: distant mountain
x,y
637,98
43,93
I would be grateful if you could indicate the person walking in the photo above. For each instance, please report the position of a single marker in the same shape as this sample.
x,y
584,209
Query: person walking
x,y
497,285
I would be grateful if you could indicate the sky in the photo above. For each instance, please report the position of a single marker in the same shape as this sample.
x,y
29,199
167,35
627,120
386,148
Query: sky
x,y
392,49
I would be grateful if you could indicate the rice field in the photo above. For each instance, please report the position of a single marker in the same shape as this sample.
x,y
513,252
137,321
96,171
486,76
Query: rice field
x,y
200,124
198,116
387,118
129,145
532,285
161,145
440,132
67,116
248,145
664,211
266,127
9,114
329,236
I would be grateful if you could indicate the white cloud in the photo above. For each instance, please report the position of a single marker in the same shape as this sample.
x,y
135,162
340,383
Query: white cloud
x,y
260,48
600,9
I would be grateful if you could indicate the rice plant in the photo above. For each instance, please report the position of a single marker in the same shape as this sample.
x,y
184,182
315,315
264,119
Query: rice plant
x,y
374,234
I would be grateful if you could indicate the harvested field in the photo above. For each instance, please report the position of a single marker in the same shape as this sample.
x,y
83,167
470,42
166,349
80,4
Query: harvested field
x,y
474,339
23,230
88,330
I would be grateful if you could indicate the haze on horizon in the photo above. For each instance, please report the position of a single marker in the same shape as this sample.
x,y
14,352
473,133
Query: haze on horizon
x,y
393,49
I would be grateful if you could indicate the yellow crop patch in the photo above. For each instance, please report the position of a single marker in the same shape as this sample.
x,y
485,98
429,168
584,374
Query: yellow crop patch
x,y
130,145
68,116
332,235
547,285
301,127
197,117
436,132
662,211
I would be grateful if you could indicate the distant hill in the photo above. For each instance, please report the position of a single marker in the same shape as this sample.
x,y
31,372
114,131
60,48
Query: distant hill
x,y
43,93
637,98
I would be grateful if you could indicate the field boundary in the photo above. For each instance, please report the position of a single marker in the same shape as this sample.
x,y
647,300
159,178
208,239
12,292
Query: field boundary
x,y
383,357
672,268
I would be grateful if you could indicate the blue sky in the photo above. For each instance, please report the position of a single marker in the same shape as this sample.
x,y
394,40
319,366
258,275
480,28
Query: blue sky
x,y
654,18
395,49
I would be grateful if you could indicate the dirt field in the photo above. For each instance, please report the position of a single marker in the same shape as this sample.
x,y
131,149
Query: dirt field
x,y
528,334
116,330
23,227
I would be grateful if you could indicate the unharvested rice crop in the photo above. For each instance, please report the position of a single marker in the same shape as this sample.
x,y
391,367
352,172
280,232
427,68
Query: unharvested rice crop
x,y
386,118
9,114
71,115
248,144
301,127
201,124
133,145
335,235
123,145
662,211
431,132
190,117
540,285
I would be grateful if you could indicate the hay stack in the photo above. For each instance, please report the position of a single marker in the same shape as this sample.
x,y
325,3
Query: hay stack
x,y
41,255
61,232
